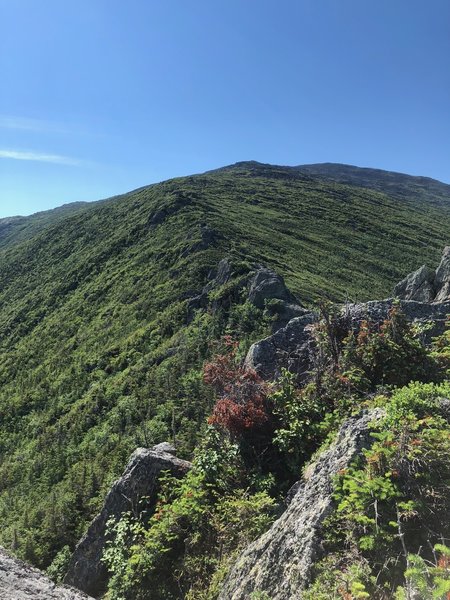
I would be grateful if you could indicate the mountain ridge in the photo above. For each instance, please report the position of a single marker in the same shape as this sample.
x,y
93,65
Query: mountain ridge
x,y
101,349
324,169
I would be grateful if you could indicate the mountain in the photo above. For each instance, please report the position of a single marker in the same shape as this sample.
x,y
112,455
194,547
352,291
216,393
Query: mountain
x,y
108,311
14,229
388,182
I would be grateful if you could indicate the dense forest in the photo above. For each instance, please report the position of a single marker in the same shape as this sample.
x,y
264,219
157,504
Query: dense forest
x,y
116,331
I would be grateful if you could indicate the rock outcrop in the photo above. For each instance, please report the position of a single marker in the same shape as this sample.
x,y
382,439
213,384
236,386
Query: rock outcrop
x,y
417,286
427,285
291,346
433,315
139,480
19,581
279,562
268,290
265,289
267,285
442,280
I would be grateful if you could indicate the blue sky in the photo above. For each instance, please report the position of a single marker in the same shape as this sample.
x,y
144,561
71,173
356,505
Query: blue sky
x,y
98,97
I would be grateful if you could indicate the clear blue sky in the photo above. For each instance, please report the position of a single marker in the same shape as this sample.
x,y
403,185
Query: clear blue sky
x,y
98,97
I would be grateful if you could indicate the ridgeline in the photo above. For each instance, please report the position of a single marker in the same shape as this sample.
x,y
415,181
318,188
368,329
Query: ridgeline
x,y
103,335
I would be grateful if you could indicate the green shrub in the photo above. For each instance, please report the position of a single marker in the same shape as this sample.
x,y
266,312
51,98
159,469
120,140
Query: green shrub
x,y
58,568
388,354
198,525
394,501
429,579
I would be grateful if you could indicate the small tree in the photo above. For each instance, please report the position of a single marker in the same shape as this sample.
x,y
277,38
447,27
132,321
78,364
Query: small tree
x,y
388,354
242,404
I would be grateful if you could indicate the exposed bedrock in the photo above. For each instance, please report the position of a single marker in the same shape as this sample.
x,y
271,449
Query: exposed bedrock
x,y
291,346
279,563
20,581
140,479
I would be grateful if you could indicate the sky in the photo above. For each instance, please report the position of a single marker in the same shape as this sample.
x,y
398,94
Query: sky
x,y
98,97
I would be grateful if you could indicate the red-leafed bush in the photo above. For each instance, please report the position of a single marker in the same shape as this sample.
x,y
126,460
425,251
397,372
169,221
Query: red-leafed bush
x,y
241,405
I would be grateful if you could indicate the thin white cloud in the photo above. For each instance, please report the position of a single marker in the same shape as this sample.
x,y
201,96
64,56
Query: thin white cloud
x,y
41,157
36,125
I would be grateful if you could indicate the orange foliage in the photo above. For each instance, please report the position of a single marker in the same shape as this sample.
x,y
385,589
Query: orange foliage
x,y
242,394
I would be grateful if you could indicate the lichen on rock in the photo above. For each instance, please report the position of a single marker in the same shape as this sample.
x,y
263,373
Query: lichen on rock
x,y
279,563
20,581
86,570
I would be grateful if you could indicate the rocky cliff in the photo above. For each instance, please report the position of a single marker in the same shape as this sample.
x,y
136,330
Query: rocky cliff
x,y
279,562
19,581
139,480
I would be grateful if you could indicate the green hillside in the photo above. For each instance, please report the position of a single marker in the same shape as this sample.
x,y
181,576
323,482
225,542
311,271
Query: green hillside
x,y
99,352
16,229
396,185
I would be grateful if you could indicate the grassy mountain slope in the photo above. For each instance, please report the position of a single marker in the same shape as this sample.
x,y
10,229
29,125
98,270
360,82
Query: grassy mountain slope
x,y
97,351
15,229
396,185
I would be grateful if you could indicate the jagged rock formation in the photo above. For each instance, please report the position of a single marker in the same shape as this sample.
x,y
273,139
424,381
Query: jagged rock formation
x,y
290,347
442,281
417,286
427,285
266,285
279,562
19,581
139,480
263,285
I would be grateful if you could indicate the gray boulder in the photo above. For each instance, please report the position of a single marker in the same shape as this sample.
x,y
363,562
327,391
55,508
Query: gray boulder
x,y
268,290
279,563
443,294
426,285
443,270
166,447
268,285
139,480
19,581
417,286
290,347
